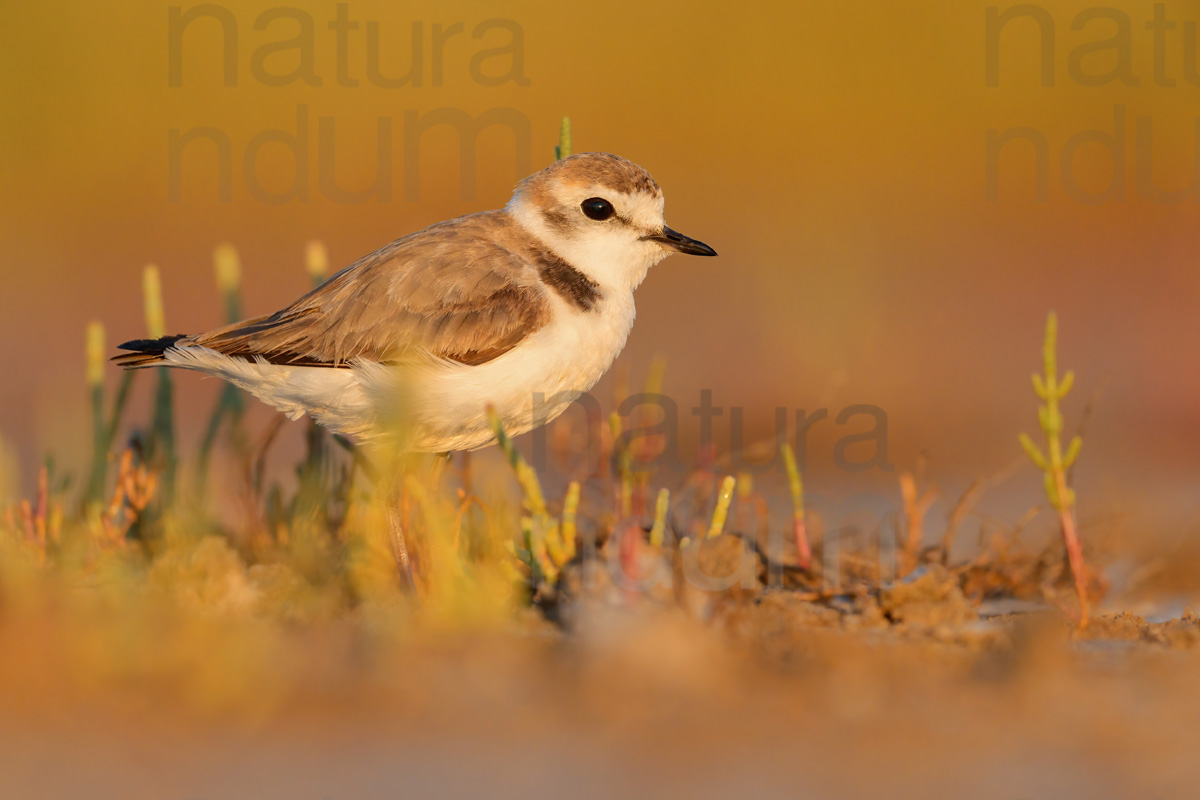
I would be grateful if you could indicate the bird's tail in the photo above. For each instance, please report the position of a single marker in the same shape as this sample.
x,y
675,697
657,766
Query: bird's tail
x,y
145,352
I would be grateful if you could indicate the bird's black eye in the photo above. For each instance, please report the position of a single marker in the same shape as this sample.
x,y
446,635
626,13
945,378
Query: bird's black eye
x,y
597,208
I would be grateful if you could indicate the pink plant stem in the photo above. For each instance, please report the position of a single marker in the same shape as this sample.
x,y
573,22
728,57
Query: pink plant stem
x,y
800,532
1075,558
629,552
1074,548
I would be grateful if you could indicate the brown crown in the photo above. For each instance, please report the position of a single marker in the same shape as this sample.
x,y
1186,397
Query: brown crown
x,y
601,169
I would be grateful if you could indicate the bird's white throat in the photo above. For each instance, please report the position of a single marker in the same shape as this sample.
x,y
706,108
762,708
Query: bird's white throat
x,y
616,259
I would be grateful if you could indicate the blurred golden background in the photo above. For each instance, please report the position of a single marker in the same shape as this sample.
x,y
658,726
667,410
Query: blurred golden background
x,y
899,196
835,155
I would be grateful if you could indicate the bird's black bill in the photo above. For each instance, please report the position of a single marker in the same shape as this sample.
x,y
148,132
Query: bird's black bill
x,y
684,244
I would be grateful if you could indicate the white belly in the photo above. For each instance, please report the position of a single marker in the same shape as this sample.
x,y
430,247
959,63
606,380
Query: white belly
x,y
442,407
528,386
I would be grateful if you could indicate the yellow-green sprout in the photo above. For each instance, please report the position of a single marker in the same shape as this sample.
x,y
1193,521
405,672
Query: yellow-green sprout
x,y
1055,460
152,302
563,148
799,524
570,509
660,517
535,501
316,261
724,497
161,445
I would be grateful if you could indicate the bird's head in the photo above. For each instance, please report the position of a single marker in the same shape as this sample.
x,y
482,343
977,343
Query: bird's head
x,y
603,214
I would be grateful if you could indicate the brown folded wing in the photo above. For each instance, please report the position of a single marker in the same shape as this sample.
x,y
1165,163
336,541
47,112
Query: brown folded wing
x,y
458,290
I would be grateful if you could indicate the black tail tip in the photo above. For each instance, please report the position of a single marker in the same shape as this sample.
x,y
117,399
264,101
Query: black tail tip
x,y
144,352
151,346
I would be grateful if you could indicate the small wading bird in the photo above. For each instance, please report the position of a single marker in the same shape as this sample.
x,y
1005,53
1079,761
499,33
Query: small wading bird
x,y
406,349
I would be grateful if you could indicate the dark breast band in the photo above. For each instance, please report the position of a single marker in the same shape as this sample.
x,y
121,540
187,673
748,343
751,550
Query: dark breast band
x,y
570,284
